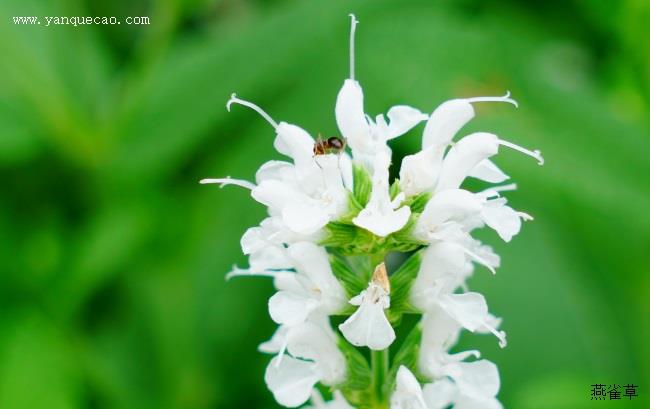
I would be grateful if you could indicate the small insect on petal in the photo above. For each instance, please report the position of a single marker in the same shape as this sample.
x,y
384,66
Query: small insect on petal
x,y
380,277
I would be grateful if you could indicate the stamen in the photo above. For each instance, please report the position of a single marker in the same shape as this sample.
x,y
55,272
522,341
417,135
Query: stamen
x,y
283,349
525,216
234,100
534,154
501,335
495,191
353,28
242,272
505,98
229,181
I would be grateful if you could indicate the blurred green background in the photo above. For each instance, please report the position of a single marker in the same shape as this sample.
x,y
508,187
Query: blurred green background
x,y
112,256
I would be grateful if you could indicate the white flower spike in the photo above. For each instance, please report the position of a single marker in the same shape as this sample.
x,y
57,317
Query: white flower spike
x,y
333,211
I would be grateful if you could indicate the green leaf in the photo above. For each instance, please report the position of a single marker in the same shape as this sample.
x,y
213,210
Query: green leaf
x,y
417,203
401,282
339,234
394,189
353,282
362,185
358,387
407,354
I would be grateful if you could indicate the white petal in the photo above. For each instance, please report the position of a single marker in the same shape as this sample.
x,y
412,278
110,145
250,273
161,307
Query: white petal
x,y
439,333
276,343
288,281
253,240
449,205
276,195
379,216
304,218
313,261
294,142
419,172
382,224
345,162
479,379
350,116
439,330
318,343
464,156
269,258
289,308
446,121
440,394
469,309
486,170
291,382
275,170
368,326
402,118
503,219
439,261
408,393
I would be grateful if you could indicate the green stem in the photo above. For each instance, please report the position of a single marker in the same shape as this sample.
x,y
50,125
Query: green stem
x,y
379,362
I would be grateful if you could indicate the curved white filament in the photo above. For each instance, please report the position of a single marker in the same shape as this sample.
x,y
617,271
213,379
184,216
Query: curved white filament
x,y
353,28
533,154
234,100
505,98
229,181
495,191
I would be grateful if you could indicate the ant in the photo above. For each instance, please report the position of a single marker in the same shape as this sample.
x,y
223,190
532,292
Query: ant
x,y
333,144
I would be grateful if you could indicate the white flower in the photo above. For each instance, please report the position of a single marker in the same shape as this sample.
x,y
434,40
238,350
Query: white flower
x,y
306,194
382,216
474,386
290,380
338,402
366,137
433,292
440,332
266,254
432,170
408,392
312,189
313,357
368,326
451,214
313,287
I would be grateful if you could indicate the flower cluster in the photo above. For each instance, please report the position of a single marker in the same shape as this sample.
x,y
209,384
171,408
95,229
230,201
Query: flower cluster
x,y
334,218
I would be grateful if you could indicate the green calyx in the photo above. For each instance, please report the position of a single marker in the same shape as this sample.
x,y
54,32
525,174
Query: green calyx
x,y
344,236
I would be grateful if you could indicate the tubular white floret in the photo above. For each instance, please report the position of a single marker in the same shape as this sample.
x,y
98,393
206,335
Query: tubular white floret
x,y
533,154
505,98
353,28
234,100
229,181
